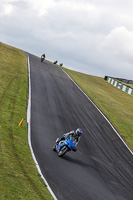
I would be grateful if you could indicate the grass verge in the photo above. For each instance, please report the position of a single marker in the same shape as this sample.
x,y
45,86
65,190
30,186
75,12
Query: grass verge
x,y
114,103
18,173
19,178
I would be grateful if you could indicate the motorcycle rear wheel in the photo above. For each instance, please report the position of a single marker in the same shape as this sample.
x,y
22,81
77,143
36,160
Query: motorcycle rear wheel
x,y
54,147
63,150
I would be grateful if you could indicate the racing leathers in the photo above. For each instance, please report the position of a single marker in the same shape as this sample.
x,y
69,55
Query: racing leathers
x,y
69,134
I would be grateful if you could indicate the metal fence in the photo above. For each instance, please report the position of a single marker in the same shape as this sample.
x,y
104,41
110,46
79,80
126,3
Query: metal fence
x,y
116,82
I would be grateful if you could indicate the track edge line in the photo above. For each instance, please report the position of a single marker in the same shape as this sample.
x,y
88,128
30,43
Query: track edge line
x,y
29,132
99,111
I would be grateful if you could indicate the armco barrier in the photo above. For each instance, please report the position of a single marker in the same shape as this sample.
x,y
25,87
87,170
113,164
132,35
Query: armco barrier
x,y
119,85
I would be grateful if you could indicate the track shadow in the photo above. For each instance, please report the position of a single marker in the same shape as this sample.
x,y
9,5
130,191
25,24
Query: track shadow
x,y
78,162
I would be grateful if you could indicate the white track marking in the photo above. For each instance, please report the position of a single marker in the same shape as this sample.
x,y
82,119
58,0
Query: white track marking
x,y
29,133
100,112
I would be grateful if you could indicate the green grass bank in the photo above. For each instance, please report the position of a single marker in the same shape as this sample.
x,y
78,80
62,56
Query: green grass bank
x,y
19,178
114,103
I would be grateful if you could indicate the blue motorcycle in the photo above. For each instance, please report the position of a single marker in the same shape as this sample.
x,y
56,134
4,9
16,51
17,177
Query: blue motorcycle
x,y
64,146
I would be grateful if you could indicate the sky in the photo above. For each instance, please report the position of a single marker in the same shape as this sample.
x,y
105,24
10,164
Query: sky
x,y
89,36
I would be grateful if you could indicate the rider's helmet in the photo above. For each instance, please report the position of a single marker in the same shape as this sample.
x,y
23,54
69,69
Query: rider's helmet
x,y
78,132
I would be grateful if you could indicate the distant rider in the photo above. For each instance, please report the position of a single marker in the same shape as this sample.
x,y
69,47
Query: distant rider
x,y
75,134
43,55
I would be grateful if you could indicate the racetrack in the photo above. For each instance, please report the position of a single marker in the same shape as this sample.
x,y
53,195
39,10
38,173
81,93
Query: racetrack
x,y
102,168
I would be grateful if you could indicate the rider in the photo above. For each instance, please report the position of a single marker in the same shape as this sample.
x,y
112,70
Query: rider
x,y
75,134
43,55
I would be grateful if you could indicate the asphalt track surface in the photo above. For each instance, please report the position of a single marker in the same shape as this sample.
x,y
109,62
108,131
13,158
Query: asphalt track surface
x,y
102,168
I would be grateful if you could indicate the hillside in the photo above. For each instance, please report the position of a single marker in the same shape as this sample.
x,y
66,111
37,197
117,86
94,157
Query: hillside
x,y
114,103
19,176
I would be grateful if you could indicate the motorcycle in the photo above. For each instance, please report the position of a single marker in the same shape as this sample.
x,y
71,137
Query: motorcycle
x,y
42,58
64,146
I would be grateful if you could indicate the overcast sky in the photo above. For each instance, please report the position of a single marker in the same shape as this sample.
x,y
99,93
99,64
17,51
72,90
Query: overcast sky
x,y
90,36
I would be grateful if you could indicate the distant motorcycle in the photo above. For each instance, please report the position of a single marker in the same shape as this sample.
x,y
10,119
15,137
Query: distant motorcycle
x,y
42,58
64,146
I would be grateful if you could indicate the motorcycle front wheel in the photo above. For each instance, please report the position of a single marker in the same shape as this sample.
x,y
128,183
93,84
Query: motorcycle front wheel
x,y
63,150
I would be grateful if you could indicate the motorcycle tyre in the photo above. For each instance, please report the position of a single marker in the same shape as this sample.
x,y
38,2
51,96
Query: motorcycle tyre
x,y
63,150
54,147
